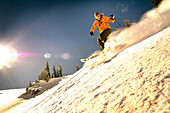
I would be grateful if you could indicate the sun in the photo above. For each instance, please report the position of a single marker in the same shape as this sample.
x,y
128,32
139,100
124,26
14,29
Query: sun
x,y
7,56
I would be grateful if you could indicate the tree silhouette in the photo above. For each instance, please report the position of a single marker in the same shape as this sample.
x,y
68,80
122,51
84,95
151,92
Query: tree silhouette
x,y
57,73
47,68
155,3
60,71
127,24
30,85
78,67
54,72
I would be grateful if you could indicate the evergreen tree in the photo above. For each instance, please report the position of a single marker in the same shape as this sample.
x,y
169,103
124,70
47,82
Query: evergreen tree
x,y
78,67
54,72
48,76
127,24
155,3
60,71
30,85
57,73
47,68
44,75
27,89
39,77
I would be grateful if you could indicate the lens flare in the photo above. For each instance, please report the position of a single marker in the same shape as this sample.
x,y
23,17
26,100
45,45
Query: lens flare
x,y
47,55
27,54
7,56
65,56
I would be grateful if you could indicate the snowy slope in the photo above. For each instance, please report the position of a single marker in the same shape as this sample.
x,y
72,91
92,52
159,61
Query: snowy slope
x,y
133,81
136,80
11,94
151,23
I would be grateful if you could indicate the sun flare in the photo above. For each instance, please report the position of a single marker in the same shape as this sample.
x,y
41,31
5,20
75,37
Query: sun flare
x,y
7,56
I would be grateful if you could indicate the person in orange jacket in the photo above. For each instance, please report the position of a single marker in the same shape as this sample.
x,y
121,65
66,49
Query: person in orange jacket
x,y
102,22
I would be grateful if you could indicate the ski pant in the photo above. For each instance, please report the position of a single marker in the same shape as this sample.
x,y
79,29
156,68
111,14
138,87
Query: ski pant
x,y
103,38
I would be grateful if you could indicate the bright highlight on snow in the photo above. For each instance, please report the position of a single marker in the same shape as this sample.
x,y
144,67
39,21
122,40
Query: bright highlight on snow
x,y
7,56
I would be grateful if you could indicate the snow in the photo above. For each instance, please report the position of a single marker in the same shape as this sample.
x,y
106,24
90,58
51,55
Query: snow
x,y
92,89
136,80
42,86
7,96
11,98
151,23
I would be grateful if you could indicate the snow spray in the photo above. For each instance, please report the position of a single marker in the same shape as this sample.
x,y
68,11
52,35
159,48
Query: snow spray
x,y
151,23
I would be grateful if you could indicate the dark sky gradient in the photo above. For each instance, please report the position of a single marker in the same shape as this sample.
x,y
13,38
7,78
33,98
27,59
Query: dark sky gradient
x,y
57,27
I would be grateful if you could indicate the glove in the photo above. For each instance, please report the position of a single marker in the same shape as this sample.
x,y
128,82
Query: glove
x,y
91,33
112,17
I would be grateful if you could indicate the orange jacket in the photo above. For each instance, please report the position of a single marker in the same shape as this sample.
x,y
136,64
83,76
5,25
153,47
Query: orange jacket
x,y
102,24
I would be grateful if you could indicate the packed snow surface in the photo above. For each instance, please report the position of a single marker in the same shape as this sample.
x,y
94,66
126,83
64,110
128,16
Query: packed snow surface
x,y
7,96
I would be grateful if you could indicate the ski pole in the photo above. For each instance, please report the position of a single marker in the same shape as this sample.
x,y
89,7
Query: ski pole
x,y
95,36
119,24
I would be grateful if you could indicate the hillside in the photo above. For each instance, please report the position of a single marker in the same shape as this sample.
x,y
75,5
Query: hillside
x,y
132,82
135,81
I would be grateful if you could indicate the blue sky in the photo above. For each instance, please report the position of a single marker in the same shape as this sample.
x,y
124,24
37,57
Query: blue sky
x,y
56,27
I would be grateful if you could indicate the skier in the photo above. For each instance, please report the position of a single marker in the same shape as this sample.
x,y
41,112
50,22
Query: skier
x,y
102,22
